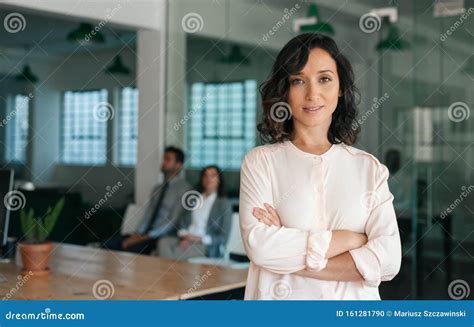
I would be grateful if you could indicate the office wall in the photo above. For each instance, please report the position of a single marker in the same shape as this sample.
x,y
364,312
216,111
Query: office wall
x,y
79,71
190,60
149,19
141,14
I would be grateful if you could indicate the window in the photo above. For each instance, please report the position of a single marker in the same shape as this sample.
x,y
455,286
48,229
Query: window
x,y
127,127
222,127
16,122
84,127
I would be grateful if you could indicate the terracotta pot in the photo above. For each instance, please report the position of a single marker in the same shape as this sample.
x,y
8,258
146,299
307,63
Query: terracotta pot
x,y
35,257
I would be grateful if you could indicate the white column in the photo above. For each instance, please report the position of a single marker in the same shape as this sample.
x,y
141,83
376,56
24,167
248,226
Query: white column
x,y
151,111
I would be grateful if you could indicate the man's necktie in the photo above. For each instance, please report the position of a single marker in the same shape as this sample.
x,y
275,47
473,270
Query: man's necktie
x,y
157,207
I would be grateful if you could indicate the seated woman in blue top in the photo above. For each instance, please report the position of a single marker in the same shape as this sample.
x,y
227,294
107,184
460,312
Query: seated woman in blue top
x,y
206,222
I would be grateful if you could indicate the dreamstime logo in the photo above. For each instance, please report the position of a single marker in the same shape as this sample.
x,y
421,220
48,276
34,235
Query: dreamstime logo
x,y
21,281
14,200
103,289
188,116
192,22
285,18
199,281
370,23
103,112
459,289
458,111
110,191
280,112
14,22
456,24
19,106
192,200
465,192
110,14
376,105
280,290
369,199
285,196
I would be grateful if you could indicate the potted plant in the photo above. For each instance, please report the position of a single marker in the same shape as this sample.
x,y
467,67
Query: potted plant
x,y
35,249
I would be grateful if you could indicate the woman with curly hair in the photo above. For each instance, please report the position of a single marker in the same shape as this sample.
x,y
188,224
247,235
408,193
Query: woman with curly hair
x,y
316,214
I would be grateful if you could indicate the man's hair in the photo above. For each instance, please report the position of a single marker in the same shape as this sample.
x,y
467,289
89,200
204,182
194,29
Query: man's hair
x,y
178,153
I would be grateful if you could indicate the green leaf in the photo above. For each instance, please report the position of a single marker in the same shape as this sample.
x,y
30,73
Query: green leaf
x,y
28,224
51,218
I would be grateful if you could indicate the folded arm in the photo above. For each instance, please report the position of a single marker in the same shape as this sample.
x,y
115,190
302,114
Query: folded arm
x,y
379,259
341,268
277,248
340,265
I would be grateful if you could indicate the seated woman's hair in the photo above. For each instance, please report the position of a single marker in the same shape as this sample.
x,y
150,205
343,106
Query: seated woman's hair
x,y
291,60
220,188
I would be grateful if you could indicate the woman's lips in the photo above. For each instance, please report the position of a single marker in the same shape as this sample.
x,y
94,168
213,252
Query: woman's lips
x,y
312,109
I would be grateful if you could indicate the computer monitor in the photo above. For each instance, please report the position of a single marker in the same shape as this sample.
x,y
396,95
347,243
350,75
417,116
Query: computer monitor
x,y
6,186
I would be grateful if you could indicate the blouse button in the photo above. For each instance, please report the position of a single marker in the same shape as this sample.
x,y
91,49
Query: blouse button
x,y
317,159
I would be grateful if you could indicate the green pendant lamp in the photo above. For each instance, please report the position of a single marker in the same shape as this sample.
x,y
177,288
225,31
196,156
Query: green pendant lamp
x,y
84,34
393,41
26,75
117,67
235,56
320,26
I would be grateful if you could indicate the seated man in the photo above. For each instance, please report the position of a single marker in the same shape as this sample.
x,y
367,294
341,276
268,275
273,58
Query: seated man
x,y
163,210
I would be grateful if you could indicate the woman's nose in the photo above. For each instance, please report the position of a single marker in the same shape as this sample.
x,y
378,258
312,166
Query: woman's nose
x,y
312,92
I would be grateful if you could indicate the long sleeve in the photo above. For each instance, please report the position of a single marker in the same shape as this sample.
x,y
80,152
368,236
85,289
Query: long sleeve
x,y
380,259
277,249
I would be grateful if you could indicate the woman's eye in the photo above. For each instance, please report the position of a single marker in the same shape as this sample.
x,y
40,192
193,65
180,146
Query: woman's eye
x,y
296,81
325,80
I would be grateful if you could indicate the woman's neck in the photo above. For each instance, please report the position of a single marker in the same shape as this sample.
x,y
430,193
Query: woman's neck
x,y
315,137
209,192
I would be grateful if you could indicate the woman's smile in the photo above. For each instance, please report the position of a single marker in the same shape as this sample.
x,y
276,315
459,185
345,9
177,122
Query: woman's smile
x,y
312,109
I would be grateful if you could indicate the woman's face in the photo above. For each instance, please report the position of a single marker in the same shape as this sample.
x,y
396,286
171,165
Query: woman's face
x,y
210,180
314,91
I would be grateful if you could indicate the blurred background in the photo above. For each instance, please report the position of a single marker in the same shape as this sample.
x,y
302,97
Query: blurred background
x,y
92,91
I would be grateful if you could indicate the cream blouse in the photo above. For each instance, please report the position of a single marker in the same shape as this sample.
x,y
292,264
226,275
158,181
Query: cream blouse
x,y
344,188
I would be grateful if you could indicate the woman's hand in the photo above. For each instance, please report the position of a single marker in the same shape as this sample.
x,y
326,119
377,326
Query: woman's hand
x,y
193,238
184,244
268,216
345,240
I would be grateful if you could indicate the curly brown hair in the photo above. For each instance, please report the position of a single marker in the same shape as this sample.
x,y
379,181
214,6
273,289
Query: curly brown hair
x,y
274,91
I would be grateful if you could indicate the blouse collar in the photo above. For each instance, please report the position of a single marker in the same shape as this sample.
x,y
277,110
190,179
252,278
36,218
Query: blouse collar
x,y
297,150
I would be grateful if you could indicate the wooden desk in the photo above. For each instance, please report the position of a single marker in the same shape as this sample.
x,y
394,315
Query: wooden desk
x,y
75,270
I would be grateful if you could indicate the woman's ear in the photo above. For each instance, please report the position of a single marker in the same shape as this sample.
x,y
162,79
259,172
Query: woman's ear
x,y
340,93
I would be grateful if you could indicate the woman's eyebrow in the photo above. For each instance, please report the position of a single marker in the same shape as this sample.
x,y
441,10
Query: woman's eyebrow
x,y
326,71
319,72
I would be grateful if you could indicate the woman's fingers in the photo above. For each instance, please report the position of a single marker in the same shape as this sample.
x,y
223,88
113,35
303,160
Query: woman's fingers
x,y
262,216
266,217
274,215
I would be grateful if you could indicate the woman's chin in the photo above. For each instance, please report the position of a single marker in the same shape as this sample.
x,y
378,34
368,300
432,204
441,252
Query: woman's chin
x,y
311,122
